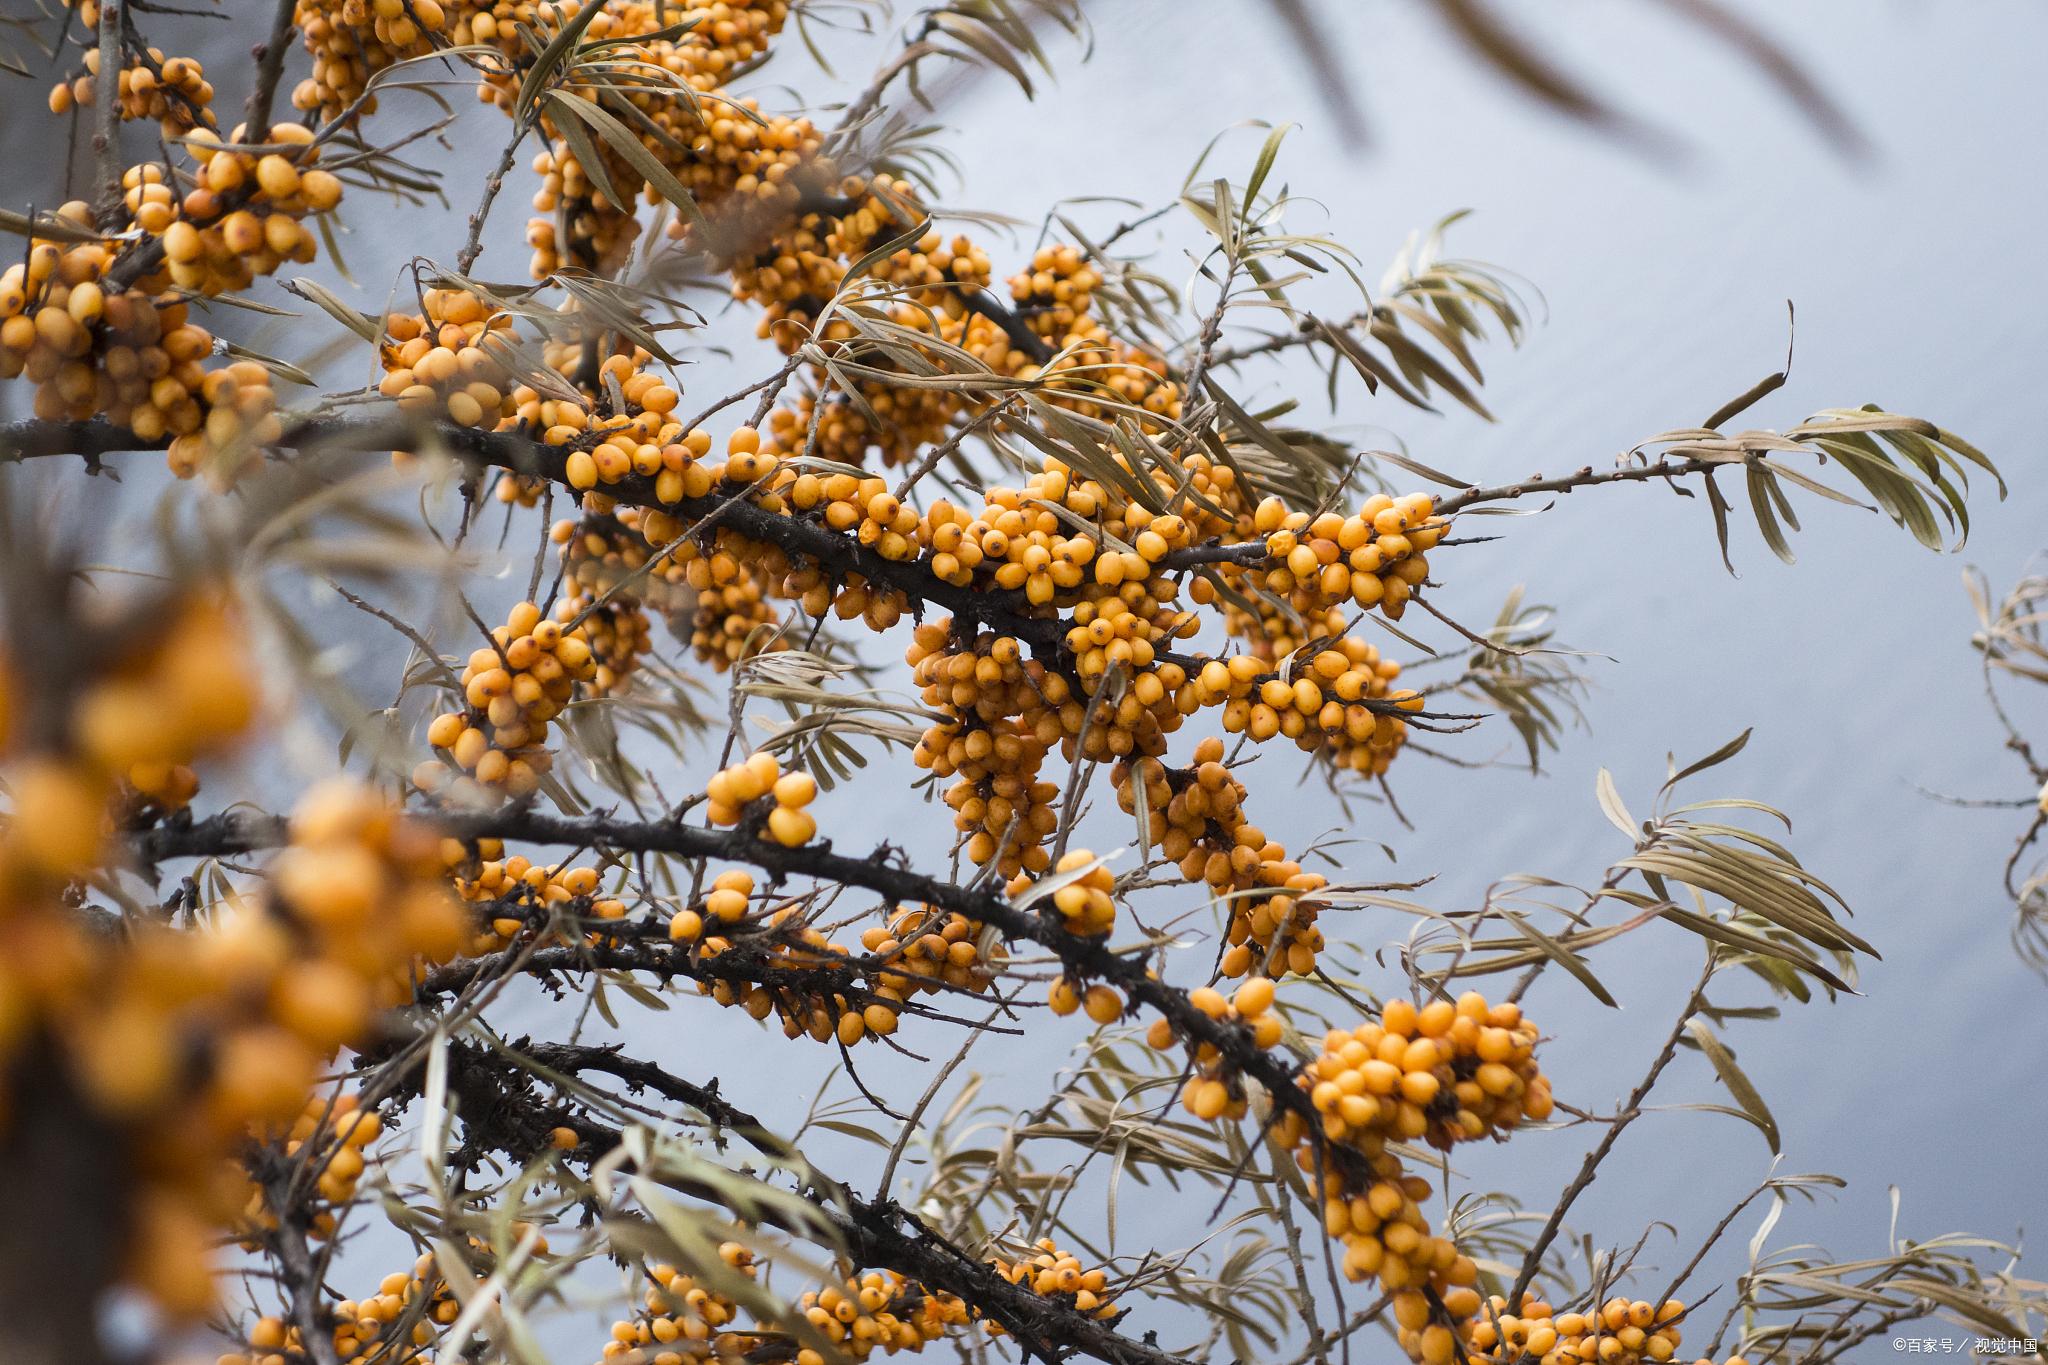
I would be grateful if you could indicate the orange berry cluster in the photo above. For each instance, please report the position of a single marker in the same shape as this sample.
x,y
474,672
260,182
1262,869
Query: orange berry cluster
x,y
1446,1073
724,905
718,600
174,91
926,287
1055,1274
185,1043
1443,1074
688,1323
790,226
136,726
1338,701
516,888
352,40
730,576
684,1322
394,1326
1619,1332
920,950
794,944
618,635
922,288
1103,1003
1092,372
728,618
134,721
927,949
448,359
512,689
735,163
877,1311
126,354
361,888
242,216
1056,294
1198,822
338,1131
731,790
1210,1092
1373,558
601,550
644,437
353,906
122,1017
994,747
1084,904
153,790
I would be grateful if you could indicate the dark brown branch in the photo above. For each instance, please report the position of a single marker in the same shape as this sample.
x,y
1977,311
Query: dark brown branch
x,y
1014,327
270,58
498,1111
473,247
1244,554
880,871
1307,332
106,135
1583,477
306,1300
838,555
751,961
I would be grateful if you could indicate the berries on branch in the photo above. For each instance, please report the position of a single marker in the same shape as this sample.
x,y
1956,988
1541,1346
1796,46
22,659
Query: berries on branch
x,y
1619,1332
684,1322
174,91
128,354
514,688
787,822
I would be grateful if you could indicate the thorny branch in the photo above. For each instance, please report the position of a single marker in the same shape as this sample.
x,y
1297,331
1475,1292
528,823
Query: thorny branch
x,y
878,1232
880,871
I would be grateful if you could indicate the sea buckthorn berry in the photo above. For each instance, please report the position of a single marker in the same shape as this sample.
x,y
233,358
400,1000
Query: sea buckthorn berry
x,y
513,688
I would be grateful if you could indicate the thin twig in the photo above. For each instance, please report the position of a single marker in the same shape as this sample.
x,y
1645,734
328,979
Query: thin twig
x,y
1629,1113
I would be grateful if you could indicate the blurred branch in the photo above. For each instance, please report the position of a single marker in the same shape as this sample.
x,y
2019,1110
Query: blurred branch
x,y
106,136
270,59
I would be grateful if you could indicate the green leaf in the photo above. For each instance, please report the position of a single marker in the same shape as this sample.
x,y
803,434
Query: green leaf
x,y
578,137
330,303
1269,151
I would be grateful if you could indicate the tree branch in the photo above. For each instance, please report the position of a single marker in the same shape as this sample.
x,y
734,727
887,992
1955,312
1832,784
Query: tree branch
x,y
1584,477
1628,1114
836,554
270,59
1090,959
877,1233
106,135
